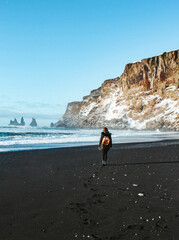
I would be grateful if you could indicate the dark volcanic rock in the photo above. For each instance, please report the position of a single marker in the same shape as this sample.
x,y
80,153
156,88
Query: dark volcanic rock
x,y
14,122
33,123
145,96
22,123
52,125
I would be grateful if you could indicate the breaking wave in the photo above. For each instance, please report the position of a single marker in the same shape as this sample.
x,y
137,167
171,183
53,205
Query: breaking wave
x,y
26,138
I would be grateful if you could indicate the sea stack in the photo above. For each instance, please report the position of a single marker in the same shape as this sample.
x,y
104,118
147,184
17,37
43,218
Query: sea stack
x,y
52,125
33,123
22,123
14,122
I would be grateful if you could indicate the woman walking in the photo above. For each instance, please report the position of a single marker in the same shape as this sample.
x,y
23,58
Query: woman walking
x,y
105,143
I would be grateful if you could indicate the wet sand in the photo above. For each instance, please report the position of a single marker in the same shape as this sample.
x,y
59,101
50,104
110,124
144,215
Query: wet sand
x,y
66,193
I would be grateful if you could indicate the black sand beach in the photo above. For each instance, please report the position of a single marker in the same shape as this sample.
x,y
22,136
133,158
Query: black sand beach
x,y
66,194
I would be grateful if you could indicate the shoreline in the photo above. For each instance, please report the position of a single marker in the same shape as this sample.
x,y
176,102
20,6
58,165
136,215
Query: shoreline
x,y
122,145
65,193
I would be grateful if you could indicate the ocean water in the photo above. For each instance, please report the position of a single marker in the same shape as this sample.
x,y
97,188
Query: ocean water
x,y
26,138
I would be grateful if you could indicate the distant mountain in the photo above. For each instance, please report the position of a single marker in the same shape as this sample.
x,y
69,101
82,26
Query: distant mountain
x,y
145,96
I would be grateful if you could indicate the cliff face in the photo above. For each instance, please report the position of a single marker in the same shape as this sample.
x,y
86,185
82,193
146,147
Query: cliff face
x,y
145,96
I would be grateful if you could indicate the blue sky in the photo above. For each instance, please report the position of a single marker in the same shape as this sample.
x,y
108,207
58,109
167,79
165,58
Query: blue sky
x,y
53,52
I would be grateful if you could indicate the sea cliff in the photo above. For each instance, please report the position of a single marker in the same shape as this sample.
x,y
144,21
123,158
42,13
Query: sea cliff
x,y
145,96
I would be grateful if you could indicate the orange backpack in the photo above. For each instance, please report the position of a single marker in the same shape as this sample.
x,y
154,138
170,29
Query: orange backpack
x,y
105,140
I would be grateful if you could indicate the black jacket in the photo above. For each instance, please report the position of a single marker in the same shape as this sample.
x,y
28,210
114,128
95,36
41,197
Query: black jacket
x,y
108,134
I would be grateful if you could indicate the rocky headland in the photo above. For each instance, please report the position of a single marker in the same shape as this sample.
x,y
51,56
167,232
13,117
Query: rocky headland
x,y
145,96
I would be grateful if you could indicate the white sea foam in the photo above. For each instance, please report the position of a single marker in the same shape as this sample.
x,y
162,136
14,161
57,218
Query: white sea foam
x,y
22,138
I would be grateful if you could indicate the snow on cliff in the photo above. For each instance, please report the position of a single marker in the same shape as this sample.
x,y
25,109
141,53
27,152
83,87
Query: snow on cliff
x,y
146,96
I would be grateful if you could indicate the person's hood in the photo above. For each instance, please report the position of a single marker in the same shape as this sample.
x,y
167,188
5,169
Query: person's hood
x,y
106,133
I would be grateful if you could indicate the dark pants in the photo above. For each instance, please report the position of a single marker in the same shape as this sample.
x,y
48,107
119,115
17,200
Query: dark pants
x,y
105,153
